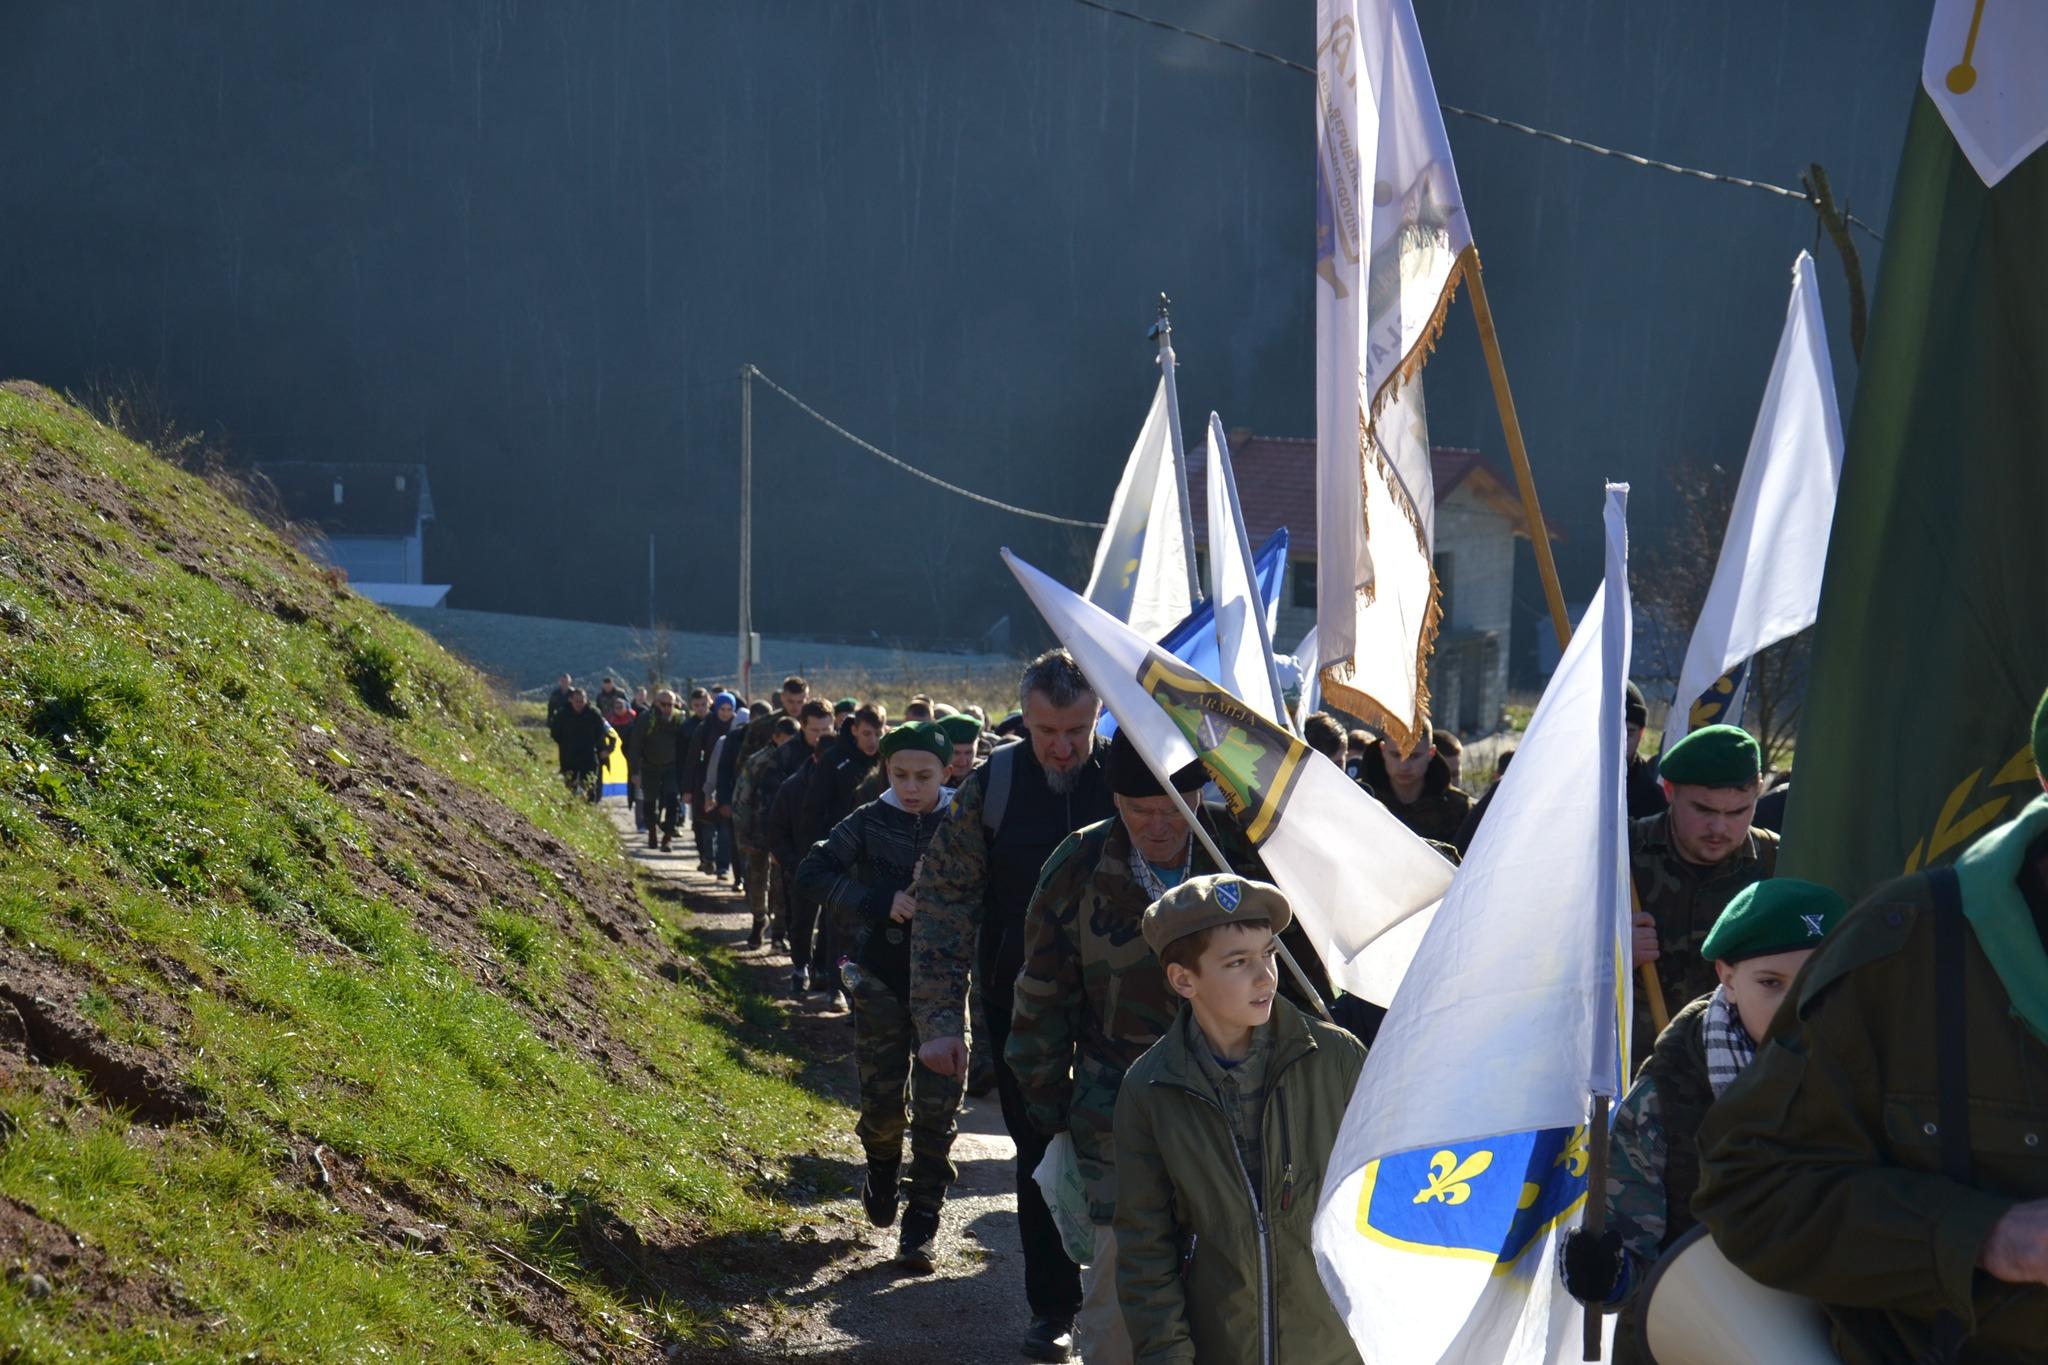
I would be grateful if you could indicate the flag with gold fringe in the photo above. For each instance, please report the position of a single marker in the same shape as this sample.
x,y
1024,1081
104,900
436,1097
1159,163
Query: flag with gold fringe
x,y
1392,241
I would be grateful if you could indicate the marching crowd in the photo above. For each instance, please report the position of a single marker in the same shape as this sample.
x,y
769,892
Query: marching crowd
x,y
1852,1102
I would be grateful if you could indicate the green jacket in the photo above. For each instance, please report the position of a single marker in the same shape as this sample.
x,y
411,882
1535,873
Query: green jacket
x,y
1204,1272
654,744
1821,1163
1092,997
1685,901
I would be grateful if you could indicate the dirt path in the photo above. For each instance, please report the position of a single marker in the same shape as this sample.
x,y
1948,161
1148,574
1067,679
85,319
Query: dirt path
x,y
845,1300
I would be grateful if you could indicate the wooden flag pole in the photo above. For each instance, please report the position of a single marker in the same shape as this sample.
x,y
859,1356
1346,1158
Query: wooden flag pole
x,y
1539,534
1596,1212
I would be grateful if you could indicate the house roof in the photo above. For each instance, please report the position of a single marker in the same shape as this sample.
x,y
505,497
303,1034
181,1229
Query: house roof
x,y
1276,483
353,499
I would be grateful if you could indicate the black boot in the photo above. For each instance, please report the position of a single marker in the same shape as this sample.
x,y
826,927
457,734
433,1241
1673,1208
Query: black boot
x,y
914,1244
1051,1338
879,1194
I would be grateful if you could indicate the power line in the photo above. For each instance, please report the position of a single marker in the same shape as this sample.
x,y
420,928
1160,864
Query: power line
x,y
909,468
1713,177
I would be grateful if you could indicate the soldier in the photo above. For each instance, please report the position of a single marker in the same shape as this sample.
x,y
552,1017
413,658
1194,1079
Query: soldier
x,y
752,789
1013,811
1884,1153
965,732
1757,947
1417,788
655,748
1688,863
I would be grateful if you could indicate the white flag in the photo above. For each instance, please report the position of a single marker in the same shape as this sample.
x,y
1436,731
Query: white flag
x,y
1350,869
1391,241
1767,584
1141,563
1243,641
1984,69
1463,1155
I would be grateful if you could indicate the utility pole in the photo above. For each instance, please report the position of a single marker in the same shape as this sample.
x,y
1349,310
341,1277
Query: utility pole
x,y
1163,331
746,527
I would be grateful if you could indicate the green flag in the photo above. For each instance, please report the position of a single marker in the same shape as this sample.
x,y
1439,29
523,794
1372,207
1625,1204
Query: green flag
x,y
1932,644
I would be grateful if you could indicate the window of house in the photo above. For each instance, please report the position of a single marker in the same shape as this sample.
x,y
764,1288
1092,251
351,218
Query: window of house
x,y
1303,572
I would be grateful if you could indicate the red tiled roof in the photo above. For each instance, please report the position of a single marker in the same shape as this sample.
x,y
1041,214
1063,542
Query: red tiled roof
x,y
1276,481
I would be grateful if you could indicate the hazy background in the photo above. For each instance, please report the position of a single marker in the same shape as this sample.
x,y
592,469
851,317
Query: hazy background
x,y
529,244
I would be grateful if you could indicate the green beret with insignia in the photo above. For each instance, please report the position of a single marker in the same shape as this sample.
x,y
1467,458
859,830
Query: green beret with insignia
x,y
918,737
1210,901
2041,736
960,727
1780,915
1713,756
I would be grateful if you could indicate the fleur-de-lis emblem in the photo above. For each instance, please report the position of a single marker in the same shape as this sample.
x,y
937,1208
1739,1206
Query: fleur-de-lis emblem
x,y
1450,1180
1575,1157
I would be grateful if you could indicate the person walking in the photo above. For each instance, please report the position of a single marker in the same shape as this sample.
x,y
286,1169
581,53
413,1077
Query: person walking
x,y
1006,820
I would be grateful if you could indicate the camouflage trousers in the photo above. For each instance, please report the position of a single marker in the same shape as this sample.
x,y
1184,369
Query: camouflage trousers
x,y
760,904
897,1092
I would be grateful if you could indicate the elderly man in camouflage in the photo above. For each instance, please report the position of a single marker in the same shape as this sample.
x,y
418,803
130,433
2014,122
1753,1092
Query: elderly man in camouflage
x,y
1887,1151
1687,864
979,875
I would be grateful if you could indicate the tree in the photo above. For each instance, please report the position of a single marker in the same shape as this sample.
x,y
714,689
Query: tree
x,y
1669,580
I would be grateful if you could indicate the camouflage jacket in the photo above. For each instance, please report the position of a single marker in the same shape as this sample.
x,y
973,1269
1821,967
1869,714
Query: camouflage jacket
x,y
1653,1159
1685,901
753,783
1092,997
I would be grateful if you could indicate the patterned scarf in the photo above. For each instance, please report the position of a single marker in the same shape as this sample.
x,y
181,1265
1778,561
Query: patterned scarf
x,y
1148,877
1729,1048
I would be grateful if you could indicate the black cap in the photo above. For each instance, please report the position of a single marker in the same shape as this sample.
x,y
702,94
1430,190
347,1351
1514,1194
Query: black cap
x,y
1128,775
1635,708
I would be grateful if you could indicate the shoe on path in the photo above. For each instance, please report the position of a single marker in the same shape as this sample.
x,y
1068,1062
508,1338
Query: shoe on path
x,y
799,984
754,939
666,839
652,839
1050,1338
878,1195
914,1246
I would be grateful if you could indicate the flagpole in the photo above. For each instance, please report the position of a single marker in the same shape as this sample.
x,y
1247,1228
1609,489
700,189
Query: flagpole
x,y
1223,865
1532,512
1504,399
1596,1212
1163,330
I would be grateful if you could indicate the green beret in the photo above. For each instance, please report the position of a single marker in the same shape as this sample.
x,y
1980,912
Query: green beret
x,y
918,737
844,705
1209,901
1713,756
1780,915
961,728
2041,736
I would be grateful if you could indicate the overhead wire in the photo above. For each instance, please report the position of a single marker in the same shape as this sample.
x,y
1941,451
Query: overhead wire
x,y
910,468
1562,139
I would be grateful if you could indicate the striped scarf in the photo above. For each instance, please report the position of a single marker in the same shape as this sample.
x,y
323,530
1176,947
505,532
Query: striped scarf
x,y
1729,1048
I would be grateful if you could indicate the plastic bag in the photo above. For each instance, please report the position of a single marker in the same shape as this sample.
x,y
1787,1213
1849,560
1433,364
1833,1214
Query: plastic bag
x,y
1066,1194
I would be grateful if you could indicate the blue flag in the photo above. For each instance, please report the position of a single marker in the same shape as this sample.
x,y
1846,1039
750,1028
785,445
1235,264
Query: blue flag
x,y
1193,641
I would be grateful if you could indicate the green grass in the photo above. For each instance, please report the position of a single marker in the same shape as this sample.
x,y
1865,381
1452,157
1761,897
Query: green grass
x,y
167,739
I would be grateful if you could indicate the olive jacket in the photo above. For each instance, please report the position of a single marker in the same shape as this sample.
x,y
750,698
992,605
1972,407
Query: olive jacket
x,y
1205,1271
1821,1164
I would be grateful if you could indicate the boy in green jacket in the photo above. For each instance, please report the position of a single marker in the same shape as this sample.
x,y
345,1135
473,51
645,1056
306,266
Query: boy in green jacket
x,y
1223,1129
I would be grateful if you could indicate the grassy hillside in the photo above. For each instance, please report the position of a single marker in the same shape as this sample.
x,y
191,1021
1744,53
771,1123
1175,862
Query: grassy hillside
x,y
329,1027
